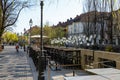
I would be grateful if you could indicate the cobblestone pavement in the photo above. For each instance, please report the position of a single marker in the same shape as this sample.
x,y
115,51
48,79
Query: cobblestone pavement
x,y
14,65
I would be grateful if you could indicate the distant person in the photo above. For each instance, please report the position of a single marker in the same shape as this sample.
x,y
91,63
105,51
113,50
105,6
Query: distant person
x,y
2,46
21,46
28,48
17,47
24,48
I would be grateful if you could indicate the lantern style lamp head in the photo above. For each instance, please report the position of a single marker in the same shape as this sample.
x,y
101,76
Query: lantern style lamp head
x,y
24,29
41,3
30,22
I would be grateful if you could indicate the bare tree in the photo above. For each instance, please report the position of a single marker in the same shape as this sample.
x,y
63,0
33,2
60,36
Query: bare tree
x,y
86,24
9,12
102,7
116,22
95,18
111,22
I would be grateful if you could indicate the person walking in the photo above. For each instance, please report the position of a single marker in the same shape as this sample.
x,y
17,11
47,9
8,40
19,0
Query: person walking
x,y
24,48
17,47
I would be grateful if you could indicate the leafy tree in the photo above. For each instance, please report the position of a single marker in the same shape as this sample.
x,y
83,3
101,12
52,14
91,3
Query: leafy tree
x,y
10,37
49,31
9,12
54,32
14,37
59,32
35,30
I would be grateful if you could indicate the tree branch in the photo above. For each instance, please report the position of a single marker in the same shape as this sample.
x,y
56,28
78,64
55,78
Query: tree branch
x,y
15,18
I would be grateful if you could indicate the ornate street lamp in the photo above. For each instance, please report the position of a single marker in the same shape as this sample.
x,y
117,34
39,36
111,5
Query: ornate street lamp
x,y
30,23
40,77
41,32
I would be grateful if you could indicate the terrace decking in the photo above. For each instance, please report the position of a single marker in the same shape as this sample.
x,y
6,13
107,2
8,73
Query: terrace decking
x,y
101,74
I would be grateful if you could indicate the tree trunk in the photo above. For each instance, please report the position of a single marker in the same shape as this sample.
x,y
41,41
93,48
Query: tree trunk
x,y
1,32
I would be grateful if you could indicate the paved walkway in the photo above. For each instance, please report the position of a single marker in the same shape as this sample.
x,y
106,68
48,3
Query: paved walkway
x,y
16,66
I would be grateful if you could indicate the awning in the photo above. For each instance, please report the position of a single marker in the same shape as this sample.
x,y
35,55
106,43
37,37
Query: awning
x,y
38,36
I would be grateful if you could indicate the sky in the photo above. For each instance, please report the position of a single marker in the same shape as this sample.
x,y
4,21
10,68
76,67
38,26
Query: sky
x,y
54,11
